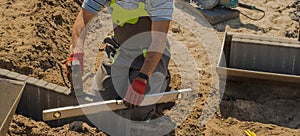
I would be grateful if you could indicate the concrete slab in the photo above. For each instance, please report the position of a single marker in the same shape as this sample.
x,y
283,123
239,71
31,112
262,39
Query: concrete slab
x,y
12,75
37,96
22,77
32,80
41,83
10,93
3,72
61,89
256,57
218,14
51,86
67,91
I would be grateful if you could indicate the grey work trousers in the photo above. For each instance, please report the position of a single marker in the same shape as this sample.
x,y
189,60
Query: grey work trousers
x,y
133,39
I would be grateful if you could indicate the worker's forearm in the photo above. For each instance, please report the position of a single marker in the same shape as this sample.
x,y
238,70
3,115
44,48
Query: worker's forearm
x,y
151,62
154,54
78,36
79,30
153,57
157,47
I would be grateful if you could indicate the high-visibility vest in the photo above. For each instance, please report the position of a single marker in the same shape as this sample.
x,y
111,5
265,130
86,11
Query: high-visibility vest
x,y
121,16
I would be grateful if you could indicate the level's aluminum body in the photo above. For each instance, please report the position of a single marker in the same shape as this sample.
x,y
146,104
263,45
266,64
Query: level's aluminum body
x,y
92,108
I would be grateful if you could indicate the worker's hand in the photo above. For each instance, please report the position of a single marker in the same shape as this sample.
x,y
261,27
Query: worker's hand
x,y
76,56
135,93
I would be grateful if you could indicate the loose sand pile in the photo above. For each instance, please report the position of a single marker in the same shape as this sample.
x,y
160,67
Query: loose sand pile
x,y
35,36
25,126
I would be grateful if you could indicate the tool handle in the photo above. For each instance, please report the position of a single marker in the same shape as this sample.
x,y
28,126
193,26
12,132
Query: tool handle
x,y
75,77
247,6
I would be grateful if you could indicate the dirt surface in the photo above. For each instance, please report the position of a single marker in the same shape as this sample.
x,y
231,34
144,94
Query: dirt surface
x,y
35,38
26,126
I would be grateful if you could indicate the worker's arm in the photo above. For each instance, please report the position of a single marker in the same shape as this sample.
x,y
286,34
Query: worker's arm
x,y
157,47
161,15
136,90
89,9
79,30
78,37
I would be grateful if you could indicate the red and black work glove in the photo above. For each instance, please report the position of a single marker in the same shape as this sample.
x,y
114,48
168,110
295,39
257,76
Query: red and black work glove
x,y
135,93
75,56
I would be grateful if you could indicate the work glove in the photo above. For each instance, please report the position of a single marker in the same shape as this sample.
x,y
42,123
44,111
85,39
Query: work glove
x,y
135,93
111,47
75,56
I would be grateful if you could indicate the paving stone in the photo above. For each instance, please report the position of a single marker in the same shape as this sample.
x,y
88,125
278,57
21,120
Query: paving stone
x,y
32,80
3,72
60,89
22,77
12,75
51,86
41,83
67,91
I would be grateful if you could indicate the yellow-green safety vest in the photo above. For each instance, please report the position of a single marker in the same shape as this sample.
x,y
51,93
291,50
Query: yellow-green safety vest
x,y
121,16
